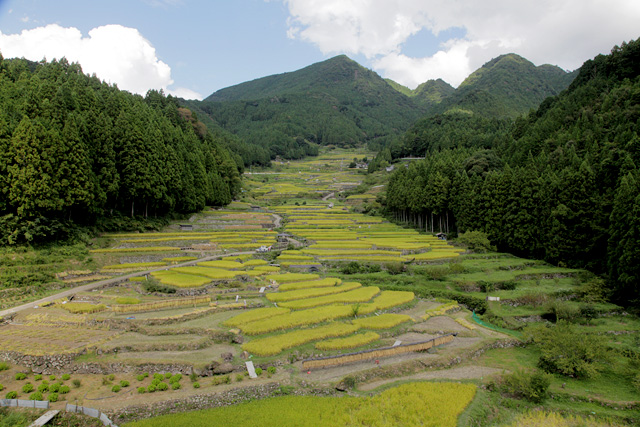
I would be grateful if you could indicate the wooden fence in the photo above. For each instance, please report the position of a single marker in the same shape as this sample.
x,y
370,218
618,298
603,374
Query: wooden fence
x,y
324,362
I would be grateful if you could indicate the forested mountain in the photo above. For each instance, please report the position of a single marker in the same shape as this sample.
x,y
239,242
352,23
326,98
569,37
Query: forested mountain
x,y
427,94
339,102
75,150
335,102
561,183
480,111
433,92
506,86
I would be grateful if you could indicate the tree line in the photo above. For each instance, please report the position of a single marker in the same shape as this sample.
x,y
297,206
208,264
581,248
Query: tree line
x,y
75,151
561,183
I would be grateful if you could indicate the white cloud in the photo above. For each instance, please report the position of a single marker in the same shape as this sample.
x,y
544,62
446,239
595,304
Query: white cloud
x,y
564,33
114,53
185,93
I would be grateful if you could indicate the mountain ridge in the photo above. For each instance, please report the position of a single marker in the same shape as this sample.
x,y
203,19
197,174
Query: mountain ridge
x,y
340,102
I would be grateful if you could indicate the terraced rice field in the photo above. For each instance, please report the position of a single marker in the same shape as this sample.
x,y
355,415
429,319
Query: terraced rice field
x,y
330,309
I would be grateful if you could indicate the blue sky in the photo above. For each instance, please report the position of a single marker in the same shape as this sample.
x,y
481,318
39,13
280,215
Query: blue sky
x,y
194,47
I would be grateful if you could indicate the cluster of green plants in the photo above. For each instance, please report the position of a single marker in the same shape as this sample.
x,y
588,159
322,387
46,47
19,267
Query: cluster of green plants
x,y
52,391
160,382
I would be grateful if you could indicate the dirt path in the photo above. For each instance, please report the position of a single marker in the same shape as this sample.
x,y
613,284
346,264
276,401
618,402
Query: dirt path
x,y
115,280
328,196
277,220
460,373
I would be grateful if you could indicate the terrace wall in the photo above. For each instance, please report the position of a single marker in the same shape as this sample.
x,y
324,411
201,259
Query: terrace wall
x,y
57,363
375,354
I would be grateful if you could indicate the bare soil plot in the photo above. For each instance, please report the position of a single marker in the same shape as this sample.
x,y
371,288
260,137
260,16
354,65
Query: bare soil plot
x,y
192,357
134,341
39,339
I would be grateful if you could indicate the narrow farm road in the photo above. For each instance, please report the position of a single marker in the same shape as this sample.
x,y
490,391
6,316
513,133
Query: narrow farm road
x,y
90,286
277,220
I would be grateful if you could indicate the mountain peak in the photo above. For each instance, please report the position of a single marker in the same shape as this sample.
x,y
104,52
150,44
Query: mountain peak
x,y
507,86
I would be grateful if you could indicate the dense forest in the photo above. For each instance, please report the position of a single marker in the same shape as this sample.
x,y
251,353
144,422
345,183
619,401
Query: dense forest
x,y
561,183
77,151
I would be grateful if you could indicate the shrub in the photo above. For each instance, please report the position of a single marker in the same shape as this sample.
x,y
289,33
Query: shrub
x,y
271,369
162,387
64,389
223,379
142,390
588,312
52,377
239,378
140,377
175,378
124,383
155,382
258,371
105,381
151,388
36,396
175,385
152,286
509,285
111,377
456,268
66,377
43,388
350,268
196,384
76,383
53,397
435,272
116,388
485,286
54,388
38,377
158,376
4,366
567,352
349,382
11,395
477,241
168,375
20,376
532,386
27,388
1,387
394,267
193,377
